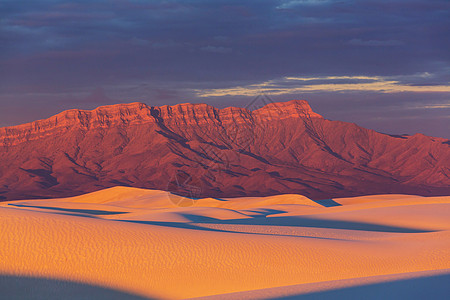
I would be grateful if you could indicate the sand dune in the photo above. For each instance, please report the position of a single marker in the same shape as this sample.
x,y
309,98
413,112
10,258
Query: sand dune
x,y
134,241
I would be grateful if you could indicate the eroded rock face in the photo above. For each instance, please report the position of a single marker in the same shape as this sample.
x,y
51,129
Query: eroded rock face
x,y
200,150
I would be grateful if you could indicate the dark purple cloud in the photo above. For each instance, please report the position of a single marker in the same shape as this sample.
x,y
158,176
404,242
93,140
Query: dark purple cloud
x,y
56,55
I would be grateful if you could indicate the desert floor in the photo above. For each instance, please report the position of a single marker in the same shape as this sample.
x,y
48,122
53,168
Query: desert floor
x,y
128,243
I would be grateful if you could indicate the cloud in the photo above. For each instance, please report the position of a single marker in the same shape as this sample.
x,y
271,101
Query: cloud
x,y
293,85
434,106
333,78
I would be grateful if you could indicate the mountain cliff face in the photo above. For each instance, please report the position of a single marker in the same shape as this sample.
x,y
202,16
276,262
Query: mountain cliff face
x,y
199,150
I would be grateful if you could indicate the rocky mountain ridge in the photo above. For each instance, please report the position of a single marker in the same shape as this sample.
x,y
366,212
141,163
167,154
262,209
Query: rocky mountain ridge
x,y
199,150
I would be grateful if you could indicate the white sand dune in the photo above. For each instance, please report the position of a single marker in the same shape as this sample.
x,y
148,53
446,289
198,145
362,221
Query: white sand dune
x,y
123,241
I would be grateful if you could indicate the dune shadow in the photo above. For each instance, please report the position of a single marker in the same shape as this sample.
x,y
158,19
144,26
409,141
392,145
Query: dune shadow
x,y
265,212
220,199
174,225
430,287
292,221
261,217
196,227
302,221
327,202
94,212
34,288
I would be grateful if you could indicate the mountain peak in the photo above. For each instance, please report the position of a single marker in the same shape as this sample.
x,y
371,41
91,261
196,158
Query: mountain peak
x,y
139,113
292,108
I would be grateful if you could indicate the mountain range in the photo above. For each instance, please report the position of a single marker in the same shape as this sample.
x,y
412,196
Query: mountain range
x,y
202,151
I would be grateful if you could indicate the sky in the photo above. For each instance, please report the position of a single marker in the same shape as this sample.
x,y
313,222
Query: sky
x,y
382,64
